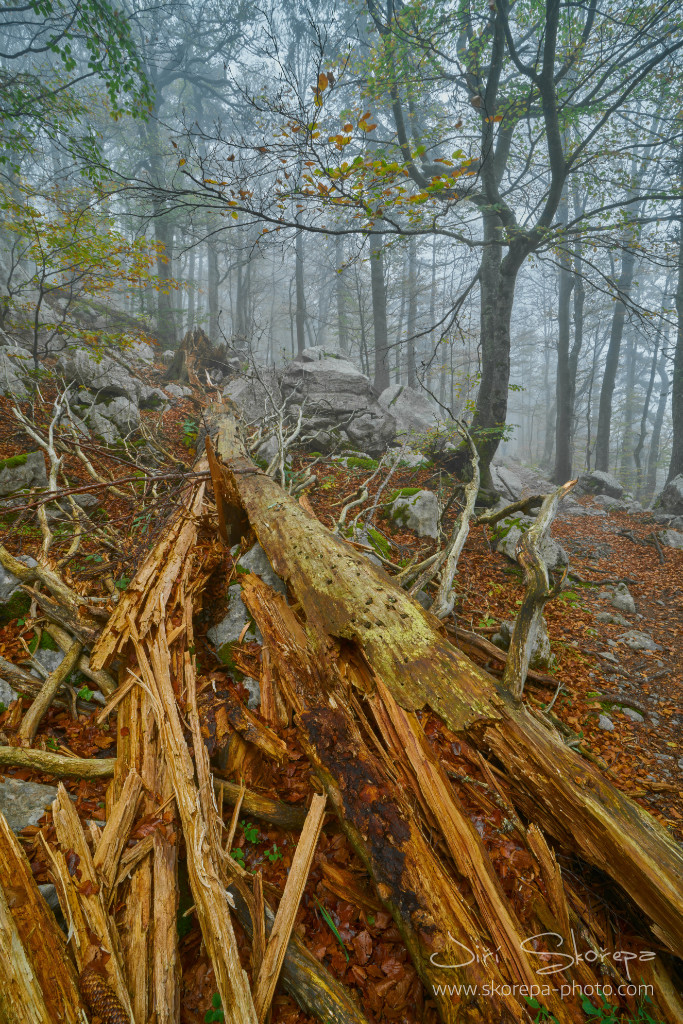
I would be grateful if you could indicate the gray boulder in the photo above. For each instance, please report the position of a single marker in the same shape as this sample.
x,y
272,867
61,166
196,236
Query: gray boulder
x,y
21,471
167,357
409,457
256,560
102,426
672,539
612,620
13,600
139,353
508,532
611,504
231,627
418,512
337,397
516,481
104,375
606,723
252,396
123,413
634,715
412,409
24,803
541,651
177,391
638,641
598,482
671,498
13,364
228,631
622,599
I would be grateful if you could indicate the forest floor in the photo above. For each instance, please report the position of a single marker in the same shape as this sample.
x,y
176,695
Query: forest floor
x,y
340,919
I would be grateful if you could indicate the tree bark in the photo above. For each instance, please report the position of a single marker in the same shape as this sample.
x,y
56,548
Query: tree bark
x,y
212,264
676,464
411,324
563,390
602,441
342,314
300,294
382,377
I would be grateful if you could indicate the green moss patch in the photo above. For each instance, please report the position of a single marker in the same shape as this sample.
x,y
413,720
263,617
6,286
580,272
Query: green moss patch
x,y
13,461
354,462
18,604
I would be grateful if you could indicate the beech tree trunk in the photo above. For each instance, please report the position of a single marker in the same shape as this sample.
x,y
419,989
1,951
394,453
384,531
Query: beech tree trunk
x,y
382,377
563,391
676,464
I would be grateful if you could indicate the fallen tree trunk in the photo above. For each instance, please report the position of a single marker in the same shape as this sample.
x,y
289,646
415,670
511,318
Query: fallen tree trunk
x,y
344,598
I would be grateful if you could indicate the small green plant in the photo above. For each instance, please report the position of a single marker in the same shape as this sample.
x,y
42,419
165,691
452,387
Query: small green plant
x,y
52,743
332,926
486,622
190,432
543,1013
85,693
122,583
251,833
216,1013
238,855
274,854
3,707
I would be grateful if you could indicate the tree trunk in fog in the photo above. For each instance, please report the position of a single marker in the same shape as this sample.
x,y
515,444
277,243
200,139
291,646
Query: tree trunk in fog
x,y
612,361
638,450
212,265
342,315
653,453
411,324
626,457
379,313
163,233
676,464
300,295
398,349
497,287
191,285
563,390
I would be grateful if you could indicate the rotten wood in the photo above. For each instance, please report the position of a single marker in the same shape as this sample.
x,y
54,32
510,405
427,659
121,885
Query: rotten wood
x,y
343,597
94,938
38,983
286,816
268,975
56,764
48,691
529,619
115,834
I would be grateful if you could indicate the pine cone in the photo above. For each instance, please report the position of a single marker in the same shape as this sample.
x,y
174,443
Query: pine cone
x,y
100,998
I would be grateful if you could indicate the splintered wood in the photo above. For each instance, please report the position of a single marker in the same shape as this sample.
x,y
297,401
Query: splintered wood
x,y
362,673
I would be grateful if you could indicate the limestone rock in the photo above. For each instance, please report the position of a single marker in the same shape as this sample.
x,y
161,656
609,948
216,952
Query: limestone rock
x,y
633,715
412,409
177,391
598,482
541,653
251,395
638,641
13,600
123,413
13,363
507,533
418,512
671,539
671,498
103,375
21,471
23,803
622,599
606,723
